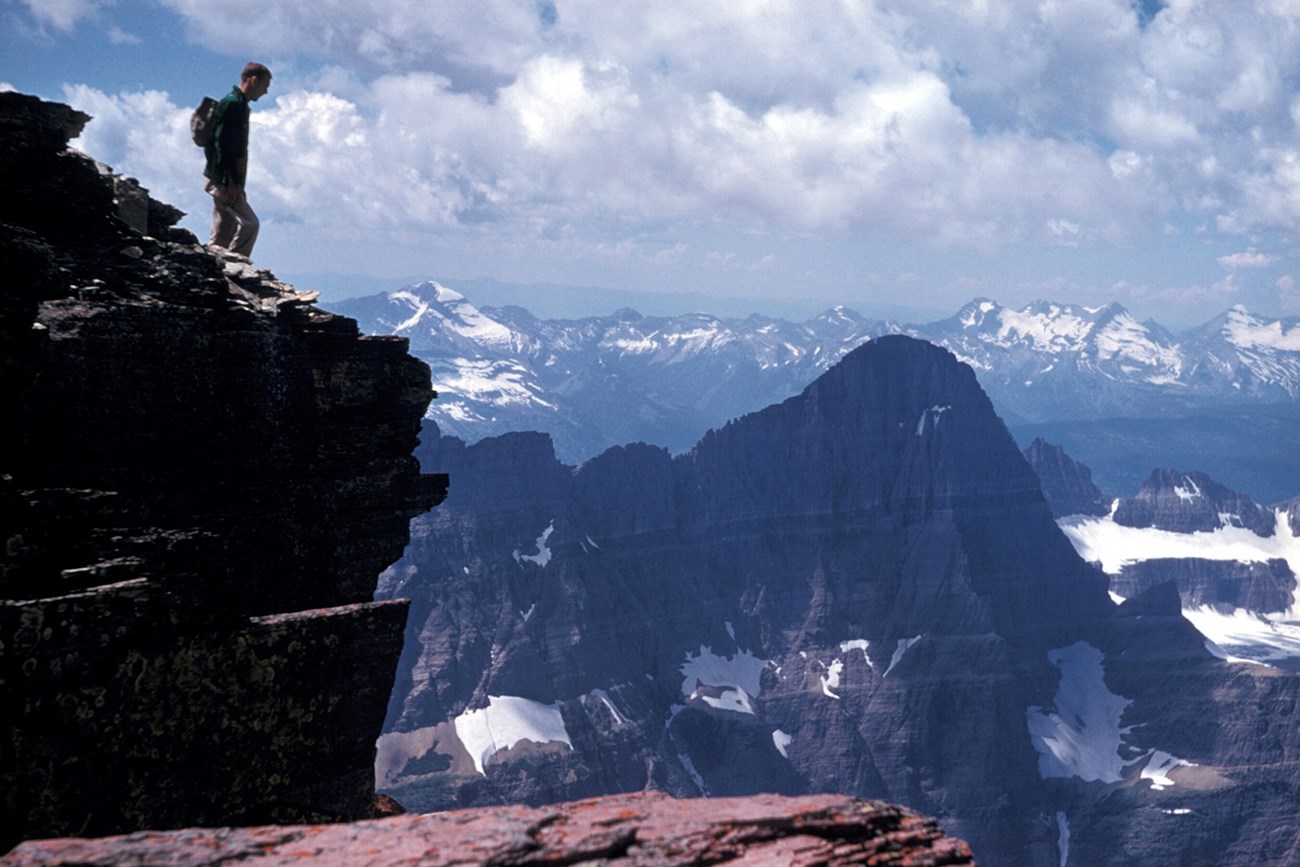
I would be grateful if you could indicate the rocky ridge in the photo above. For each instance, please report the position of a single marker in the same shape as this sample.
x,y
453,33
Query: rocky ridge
x,y
202,475
644,830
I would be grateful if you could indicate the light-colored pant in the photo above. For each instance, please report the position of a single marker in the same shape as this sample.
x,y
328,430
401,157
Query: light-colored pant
x,y
233,226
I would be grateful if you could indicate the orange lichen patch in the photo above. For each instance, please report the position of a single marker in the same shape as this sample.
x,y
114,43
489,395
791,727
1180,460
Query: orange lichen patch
x,y
641,829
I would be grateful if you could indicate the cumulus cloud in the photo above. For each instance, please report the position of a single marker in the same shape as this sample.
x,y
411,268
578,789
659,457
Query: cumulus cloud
x,y
592,124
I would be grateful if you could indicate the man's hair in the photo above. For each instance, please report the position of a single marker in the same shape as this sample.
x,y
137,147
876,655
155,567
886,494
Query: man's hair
x,y
254,70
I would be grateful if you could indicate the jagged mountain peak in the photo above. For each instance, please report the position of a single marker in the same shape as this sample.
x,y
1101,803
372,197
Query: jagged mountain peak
x,y
1067,484
432,315
839,315
1188,502
976,311
1246,330
601,380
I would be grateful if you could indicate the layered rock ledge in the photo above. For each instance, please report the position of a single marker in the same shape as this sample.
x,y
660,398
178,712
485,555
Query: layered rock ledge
x,y
642,829
201,476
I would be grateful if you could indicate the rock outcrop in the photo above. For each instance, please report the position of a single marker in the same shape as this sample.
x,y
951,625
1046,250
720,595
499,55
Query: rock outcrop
x,y
1226,585
647,830
1067,484
202,474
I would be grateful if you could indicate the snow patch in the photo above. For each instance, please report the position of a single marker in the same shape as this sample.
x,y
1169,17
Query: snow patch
x,y
936,412
1245,331
543,555
857,644
421,307
1189,494
1158,768
831,679
1082,737
781,741
603,697
899,650
502,383
738,676
507,720
694,774
1245,637
1063,837
730,699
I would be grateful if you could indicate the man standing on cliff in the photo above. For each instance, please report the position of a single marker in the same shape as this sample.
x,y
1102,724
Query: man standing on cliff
x,y
234,225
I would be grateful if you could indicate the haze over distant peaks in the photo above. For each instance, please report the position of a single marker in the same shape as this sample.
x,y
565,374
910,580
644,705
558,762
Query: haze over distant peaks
x,y
600,381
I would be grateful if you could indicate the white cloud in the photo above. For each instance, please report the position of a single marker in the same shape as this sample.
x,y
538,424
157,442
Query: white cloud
x,y
1247,259
63,15
599,127
145,135
118,36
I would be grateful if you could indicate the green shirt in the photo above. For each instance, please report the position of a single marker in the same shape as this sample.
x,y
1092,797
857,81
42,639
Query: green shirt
x,y
227,155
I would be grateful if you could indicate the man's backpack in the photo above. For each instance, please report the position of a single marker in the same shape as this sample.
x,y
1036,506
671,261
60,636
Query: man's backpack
x,y
203,123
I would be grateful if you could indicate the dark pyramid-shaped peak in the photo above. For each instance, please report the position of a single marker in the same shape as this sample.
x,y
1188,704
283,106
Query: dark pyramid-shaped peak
x,y
898,418
900,441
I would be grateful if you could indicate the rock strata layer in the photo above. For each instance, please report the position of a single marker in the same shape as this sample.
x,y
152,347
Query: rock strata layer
x,y
201,474
632,830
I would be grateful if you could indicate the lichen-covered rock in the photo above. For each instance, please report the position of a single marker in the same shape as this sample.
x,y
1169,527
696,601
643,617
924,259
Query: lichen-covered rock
x,y
201,475
631,830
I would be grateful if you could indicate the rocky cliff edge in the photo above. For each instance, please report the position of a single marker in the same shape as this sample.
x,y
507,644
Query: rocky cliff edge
x,y
201,475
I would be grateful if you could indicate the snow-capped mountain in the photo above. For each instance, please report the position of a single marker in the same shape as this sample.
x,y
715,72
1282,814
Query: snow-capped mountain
x,y
1242,352
602,381
1050,361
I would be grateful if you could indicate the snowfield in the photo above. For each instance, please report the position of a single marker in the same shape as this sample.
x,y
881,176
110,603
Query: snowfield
x,y
506,721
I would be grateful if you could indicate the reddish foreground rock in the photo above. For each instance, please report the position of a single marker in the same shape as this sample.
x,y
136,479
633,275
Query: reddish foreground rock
x,y
641,829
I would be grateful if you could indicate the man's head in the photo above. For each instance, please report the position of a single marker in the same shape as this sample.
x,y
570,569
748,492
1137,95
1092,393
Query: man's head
x,y
254,81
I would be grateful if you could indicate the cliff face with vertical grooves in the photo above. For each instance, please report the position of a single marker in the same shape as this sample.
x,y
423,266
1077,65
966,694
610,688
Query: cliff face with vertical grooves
x,y
202,476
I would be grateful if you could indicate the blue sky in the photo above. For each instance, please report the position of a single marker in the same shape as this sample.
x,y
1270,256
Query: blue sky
x,y
875,153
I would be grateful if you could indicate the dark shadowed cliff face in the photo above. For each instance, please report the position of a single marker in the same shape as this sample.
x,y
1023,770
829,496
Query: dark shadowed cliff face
x,y
860,590
1067,484
202,476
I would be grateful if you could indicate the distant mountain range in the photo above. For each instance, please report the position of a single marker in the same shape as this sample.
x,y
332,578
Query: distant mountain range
x,y
601,381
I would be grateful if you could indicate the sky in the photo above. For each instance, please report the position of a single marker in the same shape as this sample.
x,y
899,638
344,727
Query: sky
x,y
874,153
